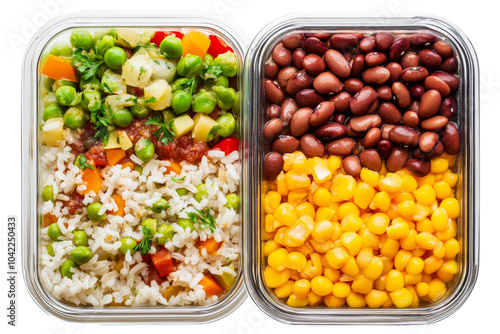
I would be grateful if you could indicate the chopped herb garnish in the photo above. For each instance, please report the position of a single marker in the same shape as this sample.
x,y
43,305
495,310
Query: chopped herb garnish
x,y
80,162
189,86
145,245
87,64
157,62
152,99
211,72
102,119
165,133
95,287
176,179
135,290
142,70
203,219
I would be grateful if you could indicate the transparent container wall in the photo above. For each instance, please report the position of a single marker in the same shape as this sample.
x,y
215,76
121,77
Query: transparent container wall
x,y
466,166
60,29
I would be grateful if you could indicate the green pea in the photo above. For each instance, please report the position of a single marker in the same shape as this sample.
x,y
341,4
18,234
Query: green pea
x,y
227,125
208,59
80,238
138,168
167,232
60,83
168,115
66,267
93,212
190,66
236,106
186,223
122,117
91,100
50,250
67,96
90,84
54,232
160,205
149,224
48,193
127,244
144,149
115,57
140,109
98,34
52,111
220,80
61,49
81,255
181,101
204,102
225,97
201,191
171,46
81,39
106,42
233,201
227,61
100,70
75,118
182,191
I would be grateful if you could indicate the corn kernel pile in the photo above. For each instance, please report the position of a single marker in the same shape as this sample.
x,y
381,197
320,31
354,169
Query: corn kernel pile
x,y
381,240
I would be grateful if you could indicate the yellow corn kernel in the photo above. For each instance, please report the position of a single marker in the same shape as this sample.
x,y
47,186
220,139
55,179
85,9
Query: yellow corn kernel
x,y
277,259
426,241
296,261
425,194
285,290
388,264
409,242
369,176
439,165
324,214
432,264
296,180
382,200
288,161
350,268
407,208
412,279
334,302
305,209
321,286
402,259
334,162
295,197
451,206
450,232
429,179
376,298
265,186
418,252
347,208
322,247
279,237
394,281
392,184
270,246
314,299
341,289
398,229
439,251
273,186
298,233
389,247
361,284
379,283
422,289
451,248
322,231
403,196
414,295
421,212
364,257
369,239
426,278
356,300
310,271
351,223
295,301
285,214
275,278
332,274
267,236
271,201
343,187
321,197
409,183
401,297
447,271
270,224
281,185
301,288
337,232
415,266
374,268
450,178
425,225
437,289
442,189
320,171
352,241
378,223
363,195
439,219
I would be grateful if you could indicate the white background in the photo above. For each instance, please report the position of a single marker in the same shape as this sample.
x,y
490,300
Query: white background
x,y
479,23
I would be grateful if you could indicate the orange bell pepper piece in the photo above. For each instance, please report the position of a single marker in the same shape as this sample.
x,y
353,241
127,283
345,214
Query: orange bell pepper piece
x,y
49,219
128,164
211,287
163,261
92,179
174,167
121,206
195,43
210,245
58,68
115,155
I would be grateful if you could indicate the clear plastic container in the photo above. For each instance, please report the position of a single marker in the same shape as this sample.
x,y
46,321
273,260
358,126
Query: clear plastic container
x,y
59,29
466,189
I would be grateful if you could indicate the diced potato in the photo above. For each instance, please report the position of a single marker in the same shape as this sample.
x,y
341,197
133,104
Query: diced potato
x,y
205,128
49,99
113,83
182,125
158,95
124,140
137,70
52,132
226,280
116,102
132,37
164,69
112,141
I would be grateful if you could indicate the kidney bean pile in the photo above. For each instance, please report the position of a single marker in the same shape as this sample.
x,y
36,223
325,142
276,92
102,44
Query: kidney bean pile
x,y
366,98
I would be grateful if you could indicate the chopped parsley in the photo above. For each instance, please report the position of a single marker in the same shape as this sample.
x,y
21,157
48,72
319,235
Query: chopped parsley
x,y
87,63
152,99
80,162
102,118
203,219
211,72
176,179
189,86
145,245
165,133
135,290
157,62
142,70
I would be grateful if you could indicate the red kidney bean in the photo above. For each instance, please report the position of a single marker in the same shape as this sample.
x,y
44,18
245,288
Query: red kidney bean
x,y
423,39
434,123
450,65
285,144
372,137
313,64
427,141
311,146
293,41
386,128
322,113
339,118
357,65
301,80
341,101
308,98
401,94
377,75
343,146
343,42
429,59
414,106
450,139
384,148
352,86
297,57
314,45
273,111
272,128
418,167
299,123
395,69
435,152
450,79
362,101
319,35
384,93
365,122
403,135
410,59
327,83
383,40
399,47
288,108
273,92
273,164
350,132
417,90
443,48
370,159
347,55
351,165
390,113
367,44
410,119
397,159
414,74
284,75
375,58
447,108
271,69
337,63
330,131
281,55
433,82
429,103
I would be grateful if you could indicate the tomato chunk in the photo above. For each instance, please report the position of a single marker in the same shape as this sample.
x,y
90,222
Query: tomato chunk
x,y
163,262
160,35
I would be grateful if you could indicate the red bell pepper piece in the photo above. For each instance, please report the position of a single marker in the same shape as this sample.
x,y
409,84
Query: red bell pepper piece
x,y
217,46
163,261
228,145
160,35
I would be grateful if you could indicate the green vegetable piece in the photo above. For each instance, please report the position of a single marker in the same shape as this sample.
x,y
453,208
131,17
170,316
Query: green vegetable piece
x,y
128,244
100,70
66,267
81,162
186,223
67,96
228,62
167,232
81,255
122,117
93,212
225,97
236,106
54,232
208,59
50,250
171,46
138,168
60,83
149,224
220,80
48,193
168,115
115,57
227,125
181,101
182,191
160,205
201,191
144,149
61,49
80,238
233,201
91,83
106,42
75,118
140,109
204,102
226,280
190,66
81,39
178,84
91,100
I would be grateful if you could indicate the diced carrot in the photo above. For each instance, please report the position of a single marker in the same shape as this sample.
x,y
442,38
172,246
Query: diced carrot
x,y
195,43
92,178
115,155
174,167
163,261
58,68
210,245
109,237
121,206
211,287
49,219
128,164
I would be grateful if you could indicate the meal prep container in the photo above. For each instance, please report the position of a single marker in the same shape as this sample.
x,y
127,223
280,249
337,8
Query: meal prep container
x,y
58,29
467,188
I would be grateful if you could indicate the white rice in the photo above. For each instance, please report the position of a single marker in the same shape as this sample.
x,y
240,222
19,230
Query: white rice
x,y
98,283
